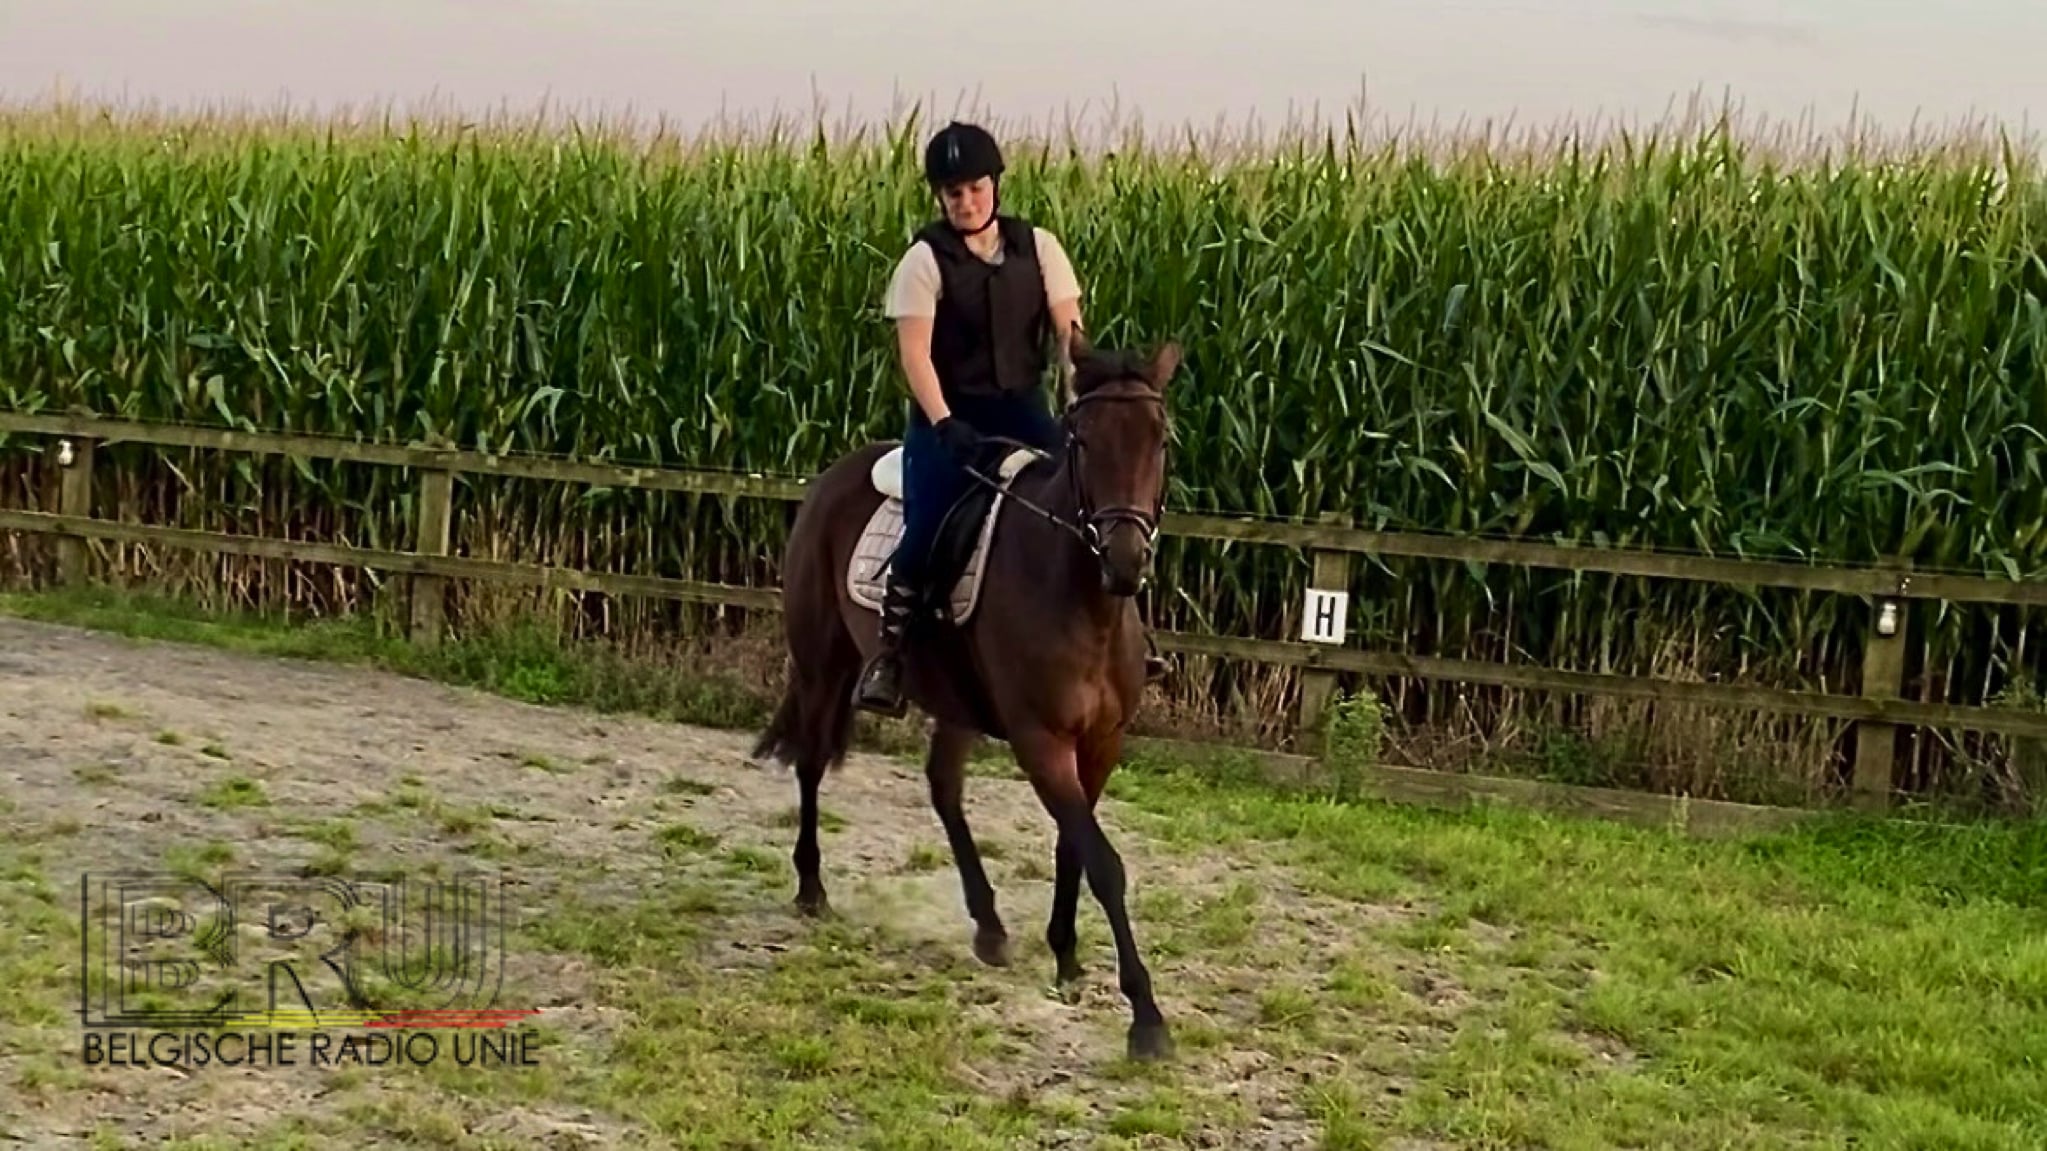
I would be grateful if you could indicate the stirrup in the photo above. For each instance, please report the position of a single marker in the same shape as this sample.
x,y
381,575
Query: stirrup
x,y
880,687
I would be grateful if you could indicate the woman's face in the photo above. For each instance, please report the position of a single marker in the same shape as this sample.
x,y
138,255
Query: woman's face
x,y
968,205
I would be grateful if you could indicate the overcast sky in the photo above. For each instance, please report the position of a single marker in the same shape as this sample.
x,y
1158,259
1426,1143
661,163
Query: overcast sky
x,y
1533,60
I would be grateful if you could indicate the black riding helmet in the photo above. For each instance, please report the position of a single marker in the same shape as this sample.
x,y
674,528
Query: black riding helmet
x,y
960,153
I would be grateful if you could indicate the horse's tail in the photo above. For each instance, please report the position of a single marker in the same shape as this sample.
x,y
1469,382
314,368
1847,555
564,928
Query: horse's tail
x,y
774,742
812,725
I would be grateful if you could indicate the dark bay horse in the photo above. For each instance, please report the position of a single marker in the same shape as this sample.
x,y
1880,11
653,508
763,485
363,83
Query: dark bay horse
x,y
1052,660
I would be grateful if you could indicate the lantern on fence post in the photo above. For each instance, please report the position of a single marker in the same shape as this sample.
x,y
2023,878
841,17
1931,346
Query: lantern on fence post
x,y
1883,678
74,499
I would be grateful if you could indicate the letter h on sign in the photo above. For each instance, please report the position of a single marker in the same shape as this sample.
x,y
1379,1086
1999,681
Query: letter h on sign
x,y
1323,616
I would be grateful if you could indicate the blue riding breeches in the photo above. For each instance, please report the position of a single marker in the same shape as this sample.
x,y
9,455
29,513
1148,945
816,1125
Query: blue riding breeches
x,y
932,482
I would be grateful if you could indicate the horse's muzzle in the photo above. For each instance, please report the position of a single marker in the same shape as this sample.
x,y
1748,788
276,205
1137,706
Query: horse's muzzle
x,y
1126,557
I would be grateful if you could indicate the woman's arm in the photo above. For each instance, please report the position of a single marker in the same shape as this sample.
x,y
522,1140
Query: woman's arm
x,y
913,303
913,350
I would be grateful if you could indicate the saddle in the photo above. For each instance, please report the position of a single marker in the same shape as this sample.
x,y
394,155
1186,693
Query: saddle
x,y
959,553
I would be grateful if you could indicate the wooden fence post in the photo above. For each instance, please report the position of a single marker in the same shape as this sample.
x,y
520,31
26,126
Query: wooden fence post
x,y
74,498
1883,677
428,593
1324,620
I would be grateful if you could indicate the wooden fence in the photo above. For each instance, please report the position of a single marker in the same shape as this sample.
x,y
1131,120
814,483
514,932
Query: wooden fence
x,y
1879,711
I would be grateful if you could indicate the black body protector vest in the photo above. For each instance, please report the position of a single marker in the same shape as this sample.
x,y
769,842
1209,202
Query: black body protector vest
x,y
989,336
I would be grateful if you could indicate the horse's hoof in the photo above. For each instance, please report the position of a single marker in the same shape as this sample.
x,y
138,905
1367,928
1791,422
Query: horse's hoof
x,y
813,906
1150,1043
1070,970
992,948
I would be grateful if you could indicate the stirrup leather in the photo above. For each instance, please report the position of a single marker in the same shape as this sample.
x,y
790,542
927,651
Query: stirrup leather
x,y
899,604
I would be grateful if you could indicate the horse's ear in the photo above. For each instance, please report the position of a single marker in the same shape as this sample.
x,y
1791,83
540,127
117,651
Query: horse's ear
x,y
1077,346
1164,363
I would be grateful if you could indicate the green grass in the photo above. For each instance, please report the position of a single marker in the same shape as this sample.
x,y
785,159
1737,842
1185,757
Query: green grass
x,y
1519,980
1884,984
843,1041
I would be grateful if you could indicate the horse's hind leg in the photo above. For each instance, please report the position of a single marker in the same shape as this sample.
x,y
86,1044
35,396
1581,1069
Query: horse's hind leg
x,y
791,737
821,683
945,768
810,896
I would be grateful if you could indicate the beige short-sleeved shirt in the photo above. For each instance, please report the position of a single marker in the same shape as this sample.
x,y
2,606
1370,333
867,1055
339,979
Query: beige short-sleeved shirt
x,y
913,290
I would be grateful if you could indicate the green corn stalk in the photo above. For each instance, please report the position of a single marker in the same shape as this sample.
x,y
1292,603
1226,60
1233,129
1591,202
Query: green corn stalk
x,y
1694,342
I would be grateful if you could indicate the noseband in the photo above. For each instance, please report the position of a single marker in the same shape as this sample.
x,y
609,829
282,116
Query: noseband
x,y
1094,523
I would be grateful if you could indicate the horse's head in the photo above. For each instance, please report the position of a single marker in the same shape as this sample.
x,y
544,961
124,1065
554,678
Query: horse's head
x,y
1116,426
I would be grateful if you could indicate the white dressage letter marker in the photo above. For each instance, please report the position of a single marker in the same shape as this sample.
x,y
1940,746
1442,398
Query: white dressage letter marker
x,y
1324,615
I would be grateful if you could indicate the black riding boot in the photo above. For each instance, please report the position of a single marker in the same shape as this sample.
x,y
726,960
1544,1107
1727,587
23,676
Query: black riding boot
x,y
881,682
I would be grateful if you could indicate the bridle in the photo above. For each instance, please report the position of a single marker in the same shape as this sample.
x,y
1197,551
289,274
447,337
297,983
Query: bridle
x,y
1094,523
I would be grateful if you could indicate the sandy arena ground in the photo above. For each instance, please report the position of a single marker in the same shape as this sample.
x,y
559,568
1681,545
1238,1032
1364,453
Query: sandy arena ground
x,y
113,744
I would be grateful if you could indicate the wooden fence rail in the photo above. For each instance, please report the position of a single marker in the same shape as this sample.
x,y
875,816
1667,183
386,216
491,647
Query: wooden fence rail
x,y
1878,709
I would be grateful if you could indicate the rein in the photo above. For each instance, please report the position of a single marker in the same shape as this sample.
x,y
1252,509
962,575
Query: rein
x,y
1089,528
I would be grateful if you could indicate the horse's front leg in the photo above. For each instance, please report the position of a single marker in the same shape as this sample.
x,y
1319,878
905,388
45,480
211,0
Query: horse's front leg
x,y
1062,934
945,767
1068,778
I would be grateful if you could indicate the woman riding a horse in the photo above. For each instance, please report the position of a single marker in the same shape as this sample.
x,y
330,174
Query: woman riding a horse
x,y
1054,660
973,300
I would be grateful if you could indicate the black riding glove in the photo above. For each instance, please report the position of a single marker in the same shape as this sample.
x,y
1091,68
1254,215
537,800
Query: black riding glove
x,y
959,438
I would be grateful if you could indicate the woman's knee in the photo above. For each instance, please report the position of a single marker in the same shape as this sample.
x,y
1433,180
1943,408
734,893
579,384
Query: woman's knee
x,y
921,449
929,473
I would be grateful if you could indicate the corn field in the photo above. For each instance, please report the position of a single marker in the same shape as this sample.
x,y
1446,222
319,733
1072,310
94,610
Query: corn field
x,y
1694,341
